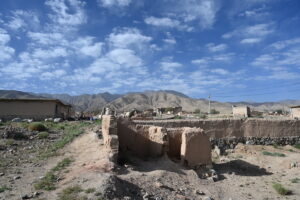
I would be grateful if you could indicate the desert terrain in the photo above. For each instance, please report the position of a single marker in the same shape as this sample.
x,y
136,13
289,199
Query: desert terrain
x,y
69,163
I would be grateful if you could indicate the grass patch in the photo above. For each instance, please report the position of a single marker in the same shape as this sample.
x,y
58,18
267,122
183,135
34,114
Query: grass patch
x,y
70,133
295,180
280,189
62,164
43,135
48,182
297,146
90,190
37,126
4,188
266,153
72,193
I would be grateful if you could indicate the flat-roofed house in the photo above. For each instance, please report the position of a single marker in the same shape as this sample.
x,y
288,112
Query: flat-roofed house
x,y
37,109
241,111
295,112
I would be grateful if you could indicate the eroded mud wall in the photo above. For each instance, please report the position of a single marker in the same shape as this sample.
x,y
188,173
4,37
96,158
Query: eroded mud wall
x,y
223,128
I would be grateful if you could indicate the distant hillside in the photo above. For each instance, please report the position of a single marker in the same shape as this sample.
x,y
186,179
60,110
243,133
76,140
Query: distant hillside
x,y
13,94
145,100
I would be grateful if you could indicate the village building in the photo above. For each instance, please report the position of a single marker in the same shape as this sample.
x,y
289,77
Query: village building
x,y
37,109
169,110
295,112
241,111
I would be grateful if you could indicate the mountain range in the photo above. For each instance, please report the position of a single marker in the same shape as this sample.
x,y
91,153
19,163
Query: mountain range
x,y
146,100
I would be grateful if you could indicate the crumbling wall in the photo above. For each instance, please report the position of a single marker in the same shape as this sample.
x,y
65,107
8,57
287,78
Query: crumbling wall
x,y
195,148
110,137
224,128
142,141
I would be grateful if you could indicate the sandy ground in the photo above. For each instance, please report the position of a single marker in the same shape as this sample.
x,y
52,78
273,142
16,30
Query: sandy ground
x,y
245,173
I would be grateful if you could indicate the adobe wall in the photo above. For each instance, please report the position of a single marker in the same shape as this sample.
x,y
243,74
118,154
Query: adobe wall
x,y
29,110
225,128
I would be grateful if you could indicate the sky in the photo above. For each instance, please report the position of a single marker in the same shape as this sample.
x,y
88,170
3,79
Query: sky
x,y
233,50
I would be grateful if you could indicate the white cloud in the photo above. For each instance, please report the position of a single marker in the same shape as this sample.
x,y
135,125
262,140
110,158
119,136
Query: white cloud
x,y
170,41
23,19
68,14
220,71
167,22
170,66
128,37
6,52
251,34
203,11
285,43
50,53
112,3
125,57
250,40
216,47
55,74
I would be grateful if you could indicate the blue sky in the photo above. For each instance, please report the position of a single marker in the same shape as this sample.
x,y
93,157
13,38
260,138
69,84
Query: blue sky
x,y
234,49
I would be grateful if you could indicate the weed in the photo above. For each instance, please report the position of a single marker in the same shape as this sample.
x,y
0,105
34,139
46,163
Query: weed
x,y
62,164
297,146
280,189
90,190
43,135
291,150
4,188
295,180
9,142
72,193
71,132
49,180
266,153
37,126
276,146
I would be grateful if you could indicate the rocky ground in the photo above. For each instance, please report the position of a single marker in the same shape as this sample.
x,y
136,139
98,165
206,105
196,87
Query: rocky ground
x,y
79,171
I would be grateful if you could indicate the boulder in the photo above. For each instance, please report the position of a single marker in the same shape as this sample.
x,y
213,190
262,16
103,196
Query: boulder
x,y
16,120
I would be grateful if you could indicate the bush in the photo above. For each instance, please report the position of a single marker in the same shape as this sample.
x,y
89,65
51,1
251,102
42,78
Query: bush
x,y
266,153
37,126
4,188
72,193
295,180
43,135
280,189
297,146
214,111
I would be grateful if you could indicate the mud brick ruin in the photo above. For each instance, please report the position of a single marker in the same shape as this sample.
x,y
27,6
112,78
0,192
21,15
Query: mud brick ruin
x,y
190,146
190,141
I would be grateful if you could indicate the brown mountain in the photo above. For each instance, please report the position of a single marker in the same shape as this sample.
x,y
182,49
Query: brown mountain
x,y
145,100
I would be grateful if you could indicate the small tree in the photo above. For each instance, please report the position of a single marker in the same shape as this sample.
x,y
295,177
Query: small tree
x,y
214,111
197,111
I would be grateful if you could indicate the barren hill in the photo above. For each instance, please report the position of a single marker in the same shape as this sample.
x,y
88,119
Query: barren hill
x,y
146,100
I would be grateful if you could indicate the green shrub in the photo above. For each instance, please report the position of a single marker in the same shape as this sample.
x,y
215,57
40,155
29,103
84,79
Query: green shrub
x,y
47,182
43,135
72,193
90,190
280,189
37,126
50,179
297,146
4,188
295,180
266,153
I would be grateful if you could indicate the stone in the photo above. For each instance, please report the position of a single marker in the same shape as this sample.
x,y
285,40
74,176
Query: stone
x,y
49,120
17,177
16,120
207,198
2,174
56,120
146,196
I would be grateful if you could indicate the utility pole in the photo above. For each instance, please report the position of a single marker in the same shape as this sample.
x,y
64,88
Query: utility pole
x,y
209,104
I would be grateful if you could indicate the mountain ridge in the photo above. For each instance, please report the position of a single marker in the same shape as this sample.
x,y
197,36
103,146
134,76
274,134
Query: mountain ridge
x,y
145,100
